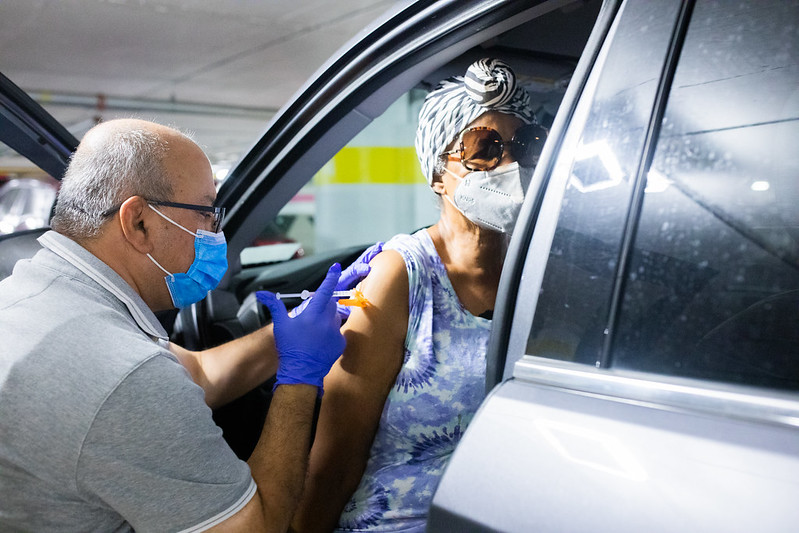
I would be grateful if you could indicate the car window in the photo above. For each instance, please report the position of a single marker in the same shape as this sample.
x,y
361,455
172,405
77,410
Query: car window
x,y
709,287
712,289
371,190
598,163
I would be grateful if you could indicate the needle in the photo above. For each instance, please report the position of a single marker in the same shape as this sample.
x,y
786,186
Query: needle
x,y
304,295
349,298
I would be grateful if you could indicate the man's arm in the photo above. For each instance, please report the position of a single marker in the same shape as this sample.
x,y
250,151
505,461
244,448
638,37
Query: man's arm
x,y
308,345
278,463
229,371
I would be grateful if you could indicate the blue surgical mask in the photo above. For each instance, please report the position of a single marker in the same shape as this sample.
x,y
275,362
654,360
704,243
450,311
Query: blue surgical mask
x,y
205,272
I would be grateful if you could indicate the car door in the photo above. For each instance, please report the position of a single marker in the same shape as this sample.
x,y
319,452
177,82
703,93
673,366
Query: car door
x,y
647,355
29,130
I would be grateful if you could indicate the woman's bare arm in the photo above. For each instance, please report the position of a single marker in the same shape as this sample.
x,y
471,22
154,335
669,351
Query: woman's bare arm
x,y
355,392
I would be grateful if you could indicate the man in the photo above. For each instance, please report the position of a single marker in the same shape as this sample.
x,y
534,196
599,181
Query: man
x,y
104,424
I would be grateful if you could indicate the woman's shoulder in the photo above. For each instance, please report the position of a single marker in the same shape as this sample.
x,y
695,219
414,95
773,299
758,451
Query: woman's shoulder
x,y
416,249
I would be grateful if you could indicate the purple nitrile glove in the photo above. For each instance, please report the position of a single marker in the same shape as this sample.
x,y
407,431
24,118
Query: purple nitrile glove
x,y
358,269
311,342
354,273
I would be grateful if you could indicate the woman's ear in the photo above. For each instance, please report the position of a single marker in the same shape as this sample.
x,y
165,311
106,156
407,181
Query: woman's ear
x,y
136,223
438,181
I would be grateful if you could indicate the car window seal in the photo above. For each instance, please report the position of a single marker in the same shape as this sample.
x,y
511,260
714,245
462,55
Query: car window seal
x,y
676,42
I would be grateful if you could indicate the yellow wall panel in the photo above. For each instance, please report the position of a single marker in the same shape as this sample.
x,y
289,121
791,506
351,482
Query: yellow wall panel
x,y
362,165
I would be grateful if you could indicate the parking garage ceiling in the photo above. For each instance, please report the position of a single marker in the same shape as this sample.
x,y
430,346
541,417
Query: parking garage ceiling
x,y
219,68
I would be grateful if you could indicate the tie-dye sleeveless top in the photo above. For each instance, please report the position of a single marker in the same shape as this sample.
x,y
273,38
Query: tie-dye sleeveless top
x,y
438,389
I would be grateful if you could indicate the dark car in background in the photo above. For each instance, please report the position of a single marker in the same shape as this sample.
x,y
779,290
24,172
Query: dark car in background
x,y
643,370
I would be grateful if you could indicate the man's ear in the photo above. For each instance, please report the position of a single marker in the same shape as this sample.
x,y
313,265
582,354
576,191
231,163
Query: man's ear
x,y
135,222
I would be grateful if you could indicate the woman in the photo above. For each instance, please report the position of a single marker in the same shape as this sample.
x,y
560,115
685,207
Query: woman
x,y
413,373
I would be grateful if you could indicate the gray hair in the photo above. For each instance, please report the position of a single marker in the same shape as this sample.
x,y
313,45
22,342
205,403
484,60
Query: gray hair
x,y
102,175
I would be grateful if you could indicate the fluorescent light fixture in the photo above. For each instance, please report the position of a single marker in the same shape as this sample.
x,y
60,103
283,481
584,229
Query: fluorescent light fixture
x,y
760,186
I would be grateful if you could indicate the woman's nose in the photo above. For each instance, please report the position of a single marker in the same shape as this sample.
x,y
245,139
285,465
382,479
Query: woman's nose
x,y
507,157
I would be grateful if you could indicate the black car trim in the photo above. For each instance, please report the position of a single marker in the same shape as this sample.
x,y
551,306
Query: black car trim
x,y
510,281
32,131
637,198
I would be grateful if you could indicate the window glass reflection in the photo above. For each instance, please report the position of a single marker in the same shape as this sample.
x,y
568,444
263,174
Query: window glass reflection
x,y
572,310
713,285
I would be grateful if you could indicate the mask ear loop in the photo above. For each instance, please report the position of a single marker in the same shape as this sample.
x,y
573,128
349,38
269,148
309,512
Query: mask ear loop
x,y
172,221
453,174
447,196
167,272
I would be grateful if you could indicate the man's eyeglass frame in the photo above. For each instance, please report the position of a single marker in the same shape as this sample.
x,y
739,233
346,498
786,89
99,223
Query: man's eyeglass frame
x,y
218,212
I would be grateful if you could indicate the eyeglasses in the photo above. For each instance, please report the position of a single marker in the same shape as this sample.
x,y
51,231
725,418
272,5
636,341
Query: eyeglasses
x,y
218,213
481,148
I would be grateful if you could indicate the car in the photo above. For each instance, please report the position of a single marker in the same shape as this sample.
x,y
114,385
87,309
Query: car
x,y
643,366
25,203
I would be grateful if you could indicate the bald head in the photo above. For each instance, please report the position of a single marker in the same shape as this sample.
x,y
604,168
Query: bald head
x,y
108,132
114,161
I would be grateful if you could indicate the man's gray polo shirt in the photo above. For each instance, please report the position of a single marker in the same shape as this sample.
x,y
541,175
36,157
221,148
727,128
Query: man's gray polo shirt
x,y
101,429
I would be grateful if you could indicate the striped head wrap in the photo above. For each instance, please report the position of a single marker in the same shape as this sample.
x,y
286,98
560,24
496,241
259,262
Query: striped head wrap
x,y
489,85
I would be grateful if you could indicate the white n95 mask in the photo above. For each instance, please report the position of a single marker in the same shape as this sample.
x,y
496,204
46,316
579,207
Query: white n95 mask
x,y
492,199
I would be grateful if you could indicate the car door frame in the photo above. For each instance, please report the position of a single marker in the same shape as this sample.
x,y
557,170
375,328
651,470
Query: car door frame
x,y
348,92
32,131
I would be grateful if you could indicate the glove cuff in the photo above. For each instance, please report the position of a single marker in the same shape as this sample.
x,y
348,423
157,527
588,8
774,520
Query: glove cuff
x,y
298,370
320,389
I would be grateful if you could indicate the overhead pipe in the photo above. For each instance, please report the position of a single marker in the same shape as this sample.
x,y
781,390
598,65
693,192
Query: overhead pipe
x,y
111,103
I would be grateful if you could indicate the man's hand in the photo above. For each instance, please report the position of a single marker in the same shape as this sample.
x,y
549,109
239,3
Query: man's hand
x,y
353,274
359,269
309,343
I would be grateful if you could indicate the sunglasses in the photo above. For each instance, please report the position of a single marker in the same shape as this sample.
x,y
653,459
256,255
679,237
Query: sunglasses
x,y
481,148
218,213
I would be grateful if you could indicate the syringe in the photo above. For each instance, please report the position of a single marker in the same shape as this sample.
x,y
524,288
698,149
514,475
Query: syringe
x,y
353,297
304,295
